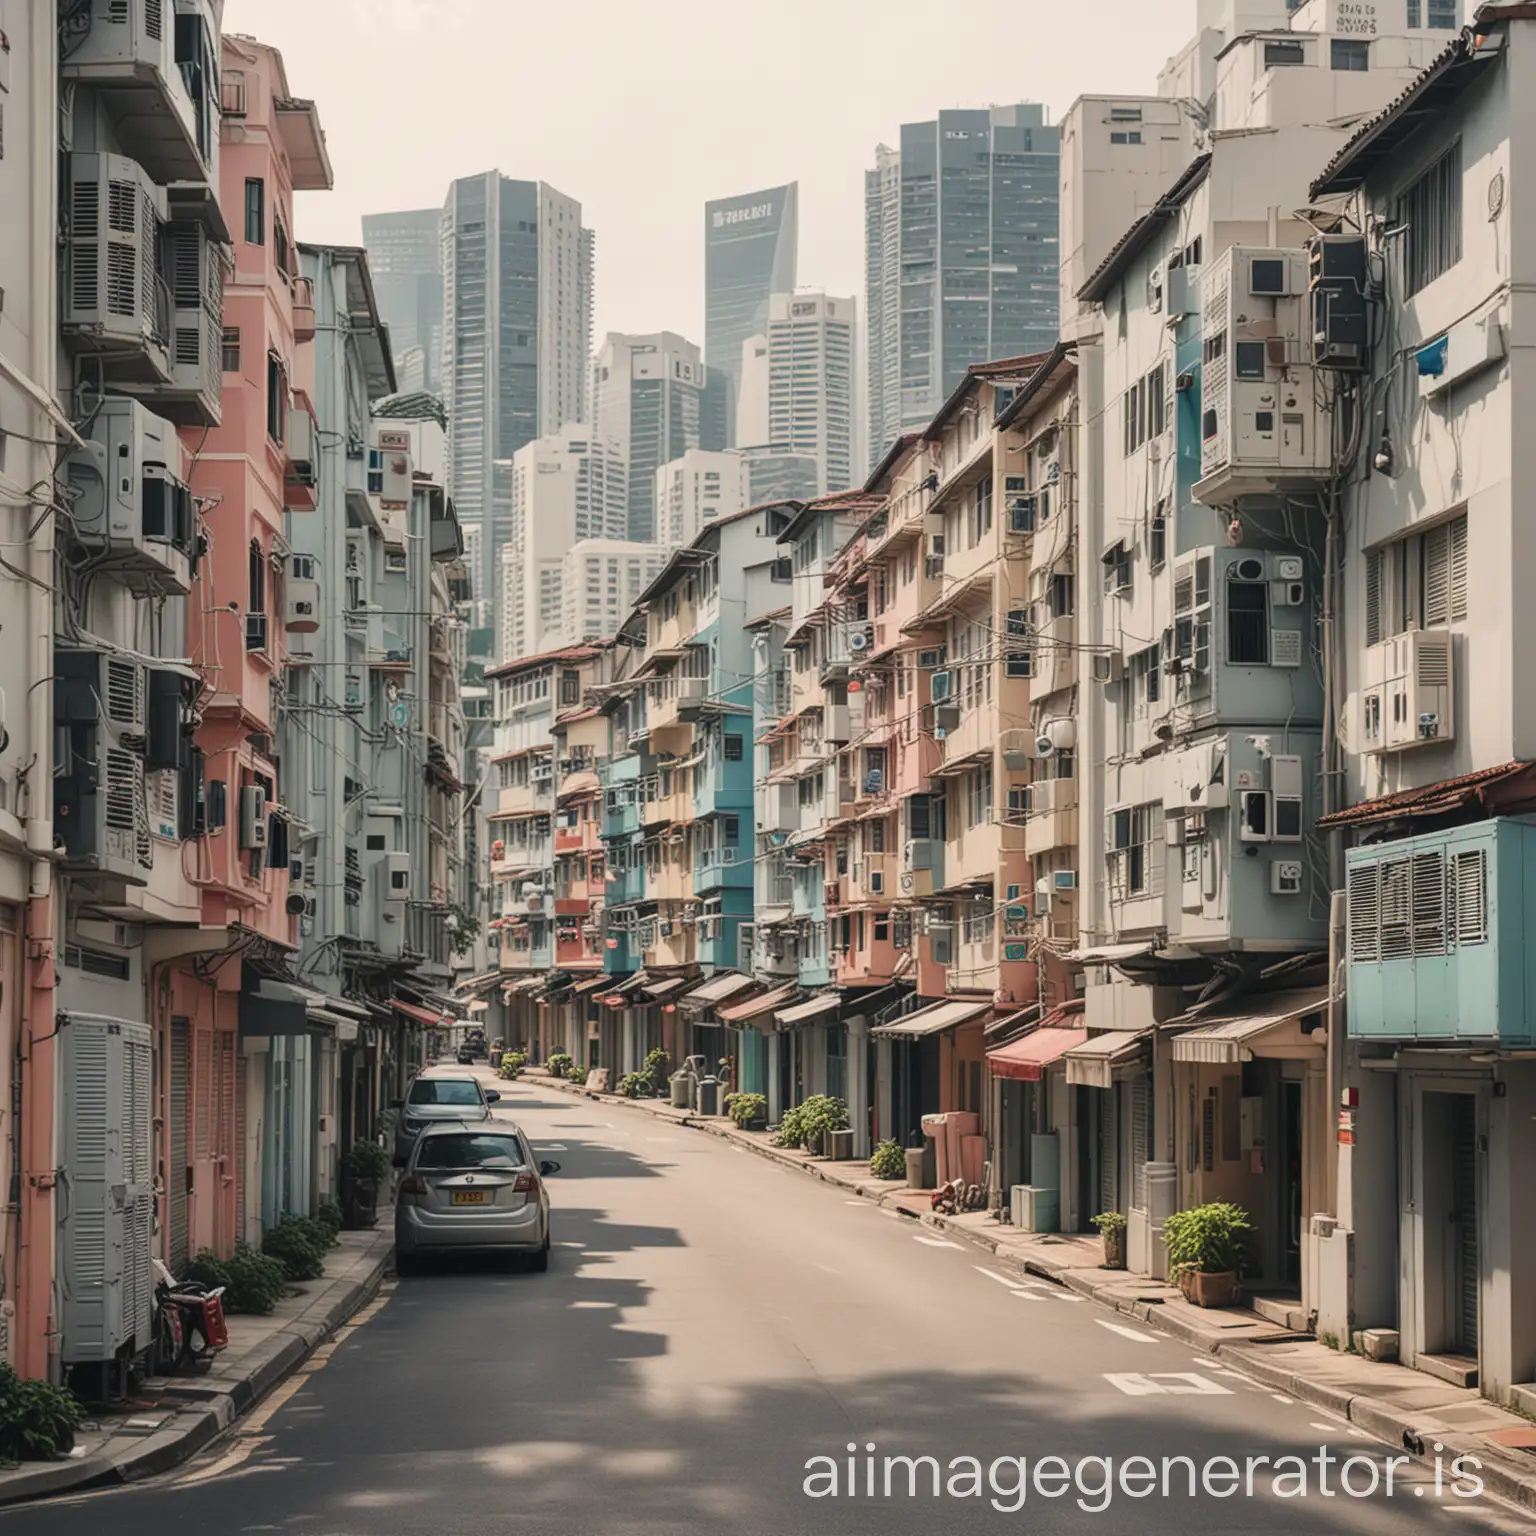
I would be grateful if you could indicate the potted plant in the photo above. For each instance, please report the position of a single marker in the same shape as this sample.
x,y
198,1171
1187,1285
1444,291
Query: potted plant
x,y
889,1161
367,1165
1111,1225
1206,1250
749,1111
821,1115
658,1070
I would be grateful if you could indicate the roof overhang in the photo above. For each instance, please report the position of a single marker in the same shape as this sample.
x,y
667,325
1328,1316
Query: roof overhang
x,y
1276,1024
298,124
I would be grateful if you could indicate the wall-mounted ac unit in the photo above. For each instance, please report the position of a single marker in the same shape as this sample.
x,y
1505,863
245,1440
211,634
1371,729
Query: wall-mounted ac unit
x,y
1108,667
253,816
397,877
301,595
129,507
303,462
1409,694
196,276
105,1227
115,301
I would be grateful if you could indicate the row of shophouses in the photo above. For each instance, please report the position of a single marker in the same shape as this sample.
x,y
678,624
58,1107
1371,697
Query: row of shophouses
x,y
230,658
1135,769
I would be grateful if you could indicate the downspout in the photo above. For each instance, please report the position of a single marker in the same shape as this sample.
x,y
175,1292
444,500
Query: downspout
x,y
36,1339
1332,798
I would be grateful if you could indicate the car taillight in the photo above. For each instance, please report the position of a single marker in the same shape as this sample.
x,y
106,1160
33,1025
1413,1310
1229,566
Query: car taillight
x,y
527,1184
414,1185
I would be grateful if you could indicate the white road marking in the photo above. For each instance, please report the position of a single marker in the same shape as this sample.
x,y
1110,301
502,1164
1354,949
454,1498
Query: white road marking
x,y
894,1215
1280,1397
1126,1333
556,1146
1174,1383
1348,1431
934,1242
1029,1296
858,1202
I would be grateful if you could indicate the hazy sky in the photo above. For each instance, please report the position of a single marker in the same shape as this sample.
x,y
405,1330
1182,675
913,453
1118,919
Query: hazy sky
x,y
643,109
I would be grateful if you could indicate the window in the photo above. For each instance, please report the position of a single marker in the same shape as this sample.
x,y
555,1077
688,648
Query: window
x,y
1019,662
258,580
1248,623
255,211
1441,14
280,247
277,399
1145,409
1351,54
978,796
735,748
1133,137
1059,596
981,511
570,688
1279,55
231,350
1417,583
1117,569
1157,543
1134,844
1431,211
456,1091
1146,679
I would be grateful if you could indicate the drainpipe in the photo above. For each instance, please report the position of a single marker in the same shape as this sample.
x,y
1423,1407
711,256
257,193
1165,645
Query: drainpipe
x,y
36,1340
1333,770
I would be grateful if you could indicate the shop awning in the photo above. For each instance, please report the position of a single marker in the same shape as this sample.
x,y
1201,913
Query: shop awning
x,y
665,986
420,1015
929,1021
342,1025
473,985
717,989
479,1007
630,984
764,1002
1271,1026
1011,1024
1108,954
1093,1062
813,1008
1024,1060
271,1006
528,984
591,984
581,783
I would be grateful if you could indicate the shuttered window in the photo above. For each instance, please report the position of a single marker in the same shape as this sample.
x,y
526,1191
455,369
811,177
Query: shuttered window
x,y
1470,893
1429,904
1375,560
1417,583
1425,904
1365,912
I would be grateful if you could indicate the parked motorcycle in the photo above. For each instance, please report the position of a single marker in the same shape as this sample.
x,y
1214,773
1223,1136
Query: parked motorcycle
x,y
189,1323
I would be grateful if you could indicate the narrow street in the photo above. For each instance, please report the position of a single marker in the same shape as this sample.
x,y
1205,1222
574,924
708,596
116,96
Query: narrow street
x,y
709,1323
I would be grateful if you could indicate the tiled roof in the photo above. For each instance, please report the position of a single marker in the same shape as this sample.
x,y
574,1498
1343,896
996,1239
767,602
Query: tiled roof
x,y
1494,790
565,653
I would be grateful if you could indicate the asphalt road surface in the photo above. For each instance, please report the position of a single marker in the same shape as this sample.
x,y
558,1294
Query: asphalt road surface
x,y
710,1323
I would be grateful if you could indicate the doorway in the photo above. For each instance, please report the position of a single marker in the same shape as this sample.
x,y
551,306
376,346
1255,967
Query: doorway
x,y
1452,1260
1290,1181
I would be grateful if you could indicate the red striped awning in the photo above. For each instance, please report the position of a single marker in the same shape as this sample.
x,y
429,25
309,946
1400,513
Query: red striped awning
x,y
1025,1060
421,1015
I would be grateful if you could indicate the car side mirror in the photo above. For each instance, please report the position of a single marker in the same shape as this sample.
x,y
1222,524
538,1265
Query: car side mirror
x,y
492,1097
547,1168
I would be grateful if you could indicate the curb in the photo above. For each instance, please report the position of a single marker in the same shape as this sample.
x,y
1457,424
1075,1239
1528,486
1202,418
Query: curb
x,y
200,1422
1416,1438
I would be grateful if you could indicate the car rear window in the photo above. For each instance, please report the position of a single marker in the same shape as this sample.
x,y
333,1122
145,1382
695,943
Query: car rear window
x,y
471,1151
444,1090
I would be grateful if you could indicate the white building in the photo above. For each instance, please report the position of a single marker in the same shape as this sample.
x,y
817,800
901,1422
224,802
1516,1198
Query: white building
x,y
646,393
810,383
561,488
601,580
695,489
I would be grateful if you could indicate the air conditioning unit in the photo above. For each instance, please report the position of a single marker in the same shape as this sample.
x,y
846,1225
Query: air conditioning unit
x,y
1409,697
1108,667
1339,293
946,718
860,639
692,694
97,688
303,462
196,275
1181,292
100,797
115,300
1285,877
941,943
1063,880
396,874
128,505
253,816
301,596
105,1234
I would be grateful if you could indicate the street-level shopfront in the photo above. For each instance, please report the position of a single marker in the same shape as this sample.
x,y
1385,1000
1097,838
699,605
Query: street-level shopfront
x,y
929,1062
751,1021
713,1036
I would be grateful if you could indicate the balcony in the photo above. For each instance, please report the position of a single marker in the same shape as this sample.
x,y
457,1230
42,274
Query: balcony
x,y
670,879
621,812
303,309
904,517
872,880
1442,938
721,867
576,950
1052,819
534,798
625,885
870,957
676,943
971,737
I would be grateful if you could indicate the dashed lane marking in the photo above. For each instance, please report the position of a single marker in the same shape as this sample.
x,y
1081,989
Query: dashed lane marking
x,y
992,1274
934,1242
1173,1383
1126,1333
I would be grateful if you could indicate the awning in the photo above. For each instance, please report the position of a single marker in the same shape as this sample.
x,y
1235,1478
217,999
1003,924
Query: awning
x,y
345,1005
1272,1026
479,1007
1108,954
420,1015
765,1002
342,1025
717,989
525,984
270,1006
1093,1062
591,984
929,1021
1012,1024
475,984
666,986
582,783
630,984
1025,1059
813,1008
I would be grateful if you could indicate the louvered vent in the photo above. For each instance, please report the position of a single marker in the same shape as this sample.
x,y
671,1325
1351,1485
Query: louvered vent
x,y
85,224
1469,875
124,788
154,17
125,694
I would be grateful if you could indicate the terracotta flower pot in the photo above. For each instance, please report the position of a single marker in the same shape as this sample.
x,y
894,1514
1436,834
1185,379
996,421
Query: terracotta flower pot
x,y
1114,1248
1210,1290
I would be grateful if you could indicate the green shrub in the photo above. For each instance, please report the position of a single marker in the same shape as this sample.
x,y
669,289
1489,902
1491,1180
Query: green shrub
x,y
1108,1221
328,1214
299,1245
633,1084
253,1281
889,1161
818,1115
512,1063
575,1074
791,1128
658,1068
559,1064
744,1107
37,1419
367,1160
1211,1239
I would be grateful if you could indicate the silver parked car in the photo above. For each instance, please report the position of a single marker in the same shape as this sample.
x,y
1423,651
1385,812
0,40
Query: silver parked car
x,y
473,1188
432,1098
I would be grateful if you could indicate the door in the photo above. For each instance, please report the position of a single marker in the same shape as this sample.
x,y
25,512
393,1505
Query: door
x,y
1464,1256
1290,1194
1141,1138
178,1173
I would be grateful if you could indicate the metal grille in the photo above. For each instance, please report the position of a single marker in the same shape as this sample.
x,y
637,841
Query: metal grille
x,y
1141,1137
154,18
1374,562
1469,876
176,1157
239,1169
202,1073
125,788
1108,1151
1464,1216
1431,210
1365,912
125,694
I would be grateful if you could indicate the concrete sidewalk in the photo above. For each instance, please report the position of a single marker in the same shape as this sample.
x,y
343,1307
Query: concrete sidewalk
x,y
1406,1408
176,1416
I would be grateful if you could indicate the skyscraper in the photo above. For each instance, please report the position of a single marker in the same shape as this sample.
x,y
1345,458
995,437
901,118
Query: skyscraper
x,y
647,395
405,253
700,487
810,383
517,304
750,245
962,247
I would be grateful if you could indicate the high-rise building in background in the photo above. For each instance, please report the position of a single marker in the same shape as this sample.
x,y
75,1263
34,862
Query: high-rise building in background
x,y
750,245
601,581
775,472
517,332
698,488
405,253
646,399
557,490
971,203
809,367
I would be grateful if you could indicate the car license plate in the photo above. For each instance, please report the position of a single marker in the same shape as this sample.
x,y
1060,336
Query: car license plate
x,y
469,1197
